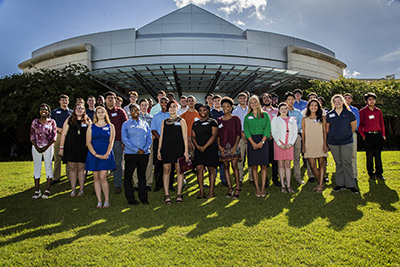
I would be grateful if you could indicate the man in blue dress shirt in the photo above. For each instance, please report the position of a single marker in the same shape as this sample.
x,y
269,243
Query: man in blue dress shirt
x,y
136,137
298,103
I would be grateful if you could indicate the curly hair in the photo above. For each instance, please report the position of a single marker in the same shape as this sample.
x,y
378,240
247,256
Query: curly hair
x,y
319,111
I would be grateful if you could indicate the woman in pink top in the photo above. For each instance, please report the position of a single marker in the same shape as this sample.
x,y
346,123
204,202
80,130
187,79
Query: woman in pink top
x,y
43,134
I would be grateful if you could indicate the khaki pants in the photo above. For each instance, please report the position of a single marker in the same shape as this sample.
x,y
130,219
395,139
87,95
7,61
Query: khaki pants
x,y
296,161
58,160
241,165
354,158
149,171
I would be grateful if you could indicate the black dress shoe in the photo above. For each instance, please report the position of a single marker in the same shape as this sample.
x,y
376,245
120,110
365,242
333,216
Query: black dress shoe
x,y
148,188
326,180
381,177
277,183
53,182
135,189
372,177
145,203
135,203
156,189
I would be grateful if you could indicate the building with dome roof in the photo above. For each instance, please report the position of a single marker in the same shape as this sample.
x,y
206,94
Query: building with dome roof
x,y
190,51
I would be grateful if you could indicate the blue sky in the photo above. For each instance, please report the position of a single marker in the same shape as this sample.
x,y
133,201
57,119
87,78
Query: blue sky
x,y
365,34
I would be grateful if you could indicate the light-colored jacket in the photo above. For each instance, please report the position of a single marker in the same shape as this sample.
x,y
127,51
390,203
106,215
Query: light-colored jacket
x,y
278,130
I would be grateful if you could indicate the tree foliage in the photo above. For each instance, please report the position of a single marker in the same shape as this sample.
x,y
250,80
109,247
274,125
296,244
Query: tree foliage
x,y
23,93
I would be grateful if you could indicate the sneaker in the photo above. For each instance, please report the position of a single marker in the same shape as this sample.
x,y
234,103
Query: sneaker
x,y
354,190
118,190
300,181
338,188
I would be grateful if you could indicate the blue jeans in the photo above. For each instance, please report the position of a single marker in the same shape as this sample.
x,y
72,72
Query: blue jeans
x,y
221,173
117,149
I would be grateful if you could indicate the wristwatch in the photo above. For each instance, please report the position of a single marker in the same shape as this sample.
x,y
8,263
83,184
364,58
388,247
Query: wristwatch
x,y
262,142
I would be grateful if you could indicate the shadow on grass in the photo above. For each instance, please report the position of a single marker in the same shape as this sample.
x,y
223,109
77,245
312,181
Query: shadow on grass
x,y
71,219
380,193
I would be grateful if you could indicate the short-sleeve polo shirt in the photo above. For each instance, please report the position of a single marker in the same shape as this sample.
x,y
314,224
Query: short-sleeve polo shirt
x,y
340,132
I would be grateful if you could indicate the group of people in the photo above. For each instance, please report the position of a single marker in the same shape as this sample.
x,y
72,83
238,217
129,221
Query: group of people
x,y
215,135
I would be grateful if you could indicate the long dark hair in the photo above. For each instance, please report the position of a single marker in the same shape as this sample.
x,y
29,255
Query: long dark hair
x,y
73,120
319,111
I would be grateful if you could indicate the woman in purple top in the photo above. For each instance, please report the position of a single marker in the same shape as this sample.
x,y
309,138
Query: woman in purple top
x,y
229,133
43,135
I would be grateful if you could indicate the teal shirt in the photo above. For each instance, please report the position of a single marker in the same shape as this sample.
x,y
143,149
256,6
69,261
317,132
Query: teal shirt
x,y
256,126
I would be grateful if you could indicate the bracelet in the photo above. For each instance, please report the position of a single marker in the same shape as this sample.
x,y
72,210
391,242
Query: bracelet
x,y
61,146
262,142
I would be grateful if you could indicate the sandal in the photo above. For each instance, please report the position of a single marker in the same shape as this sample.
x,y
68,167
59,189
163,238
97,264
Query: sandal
x,y
73,194
200,196
81,193
258,192
236,196
167,199
179,198
210,196
290,190
99,205
46,194
283,190
316,188
230,191
106,204
37,194
263,194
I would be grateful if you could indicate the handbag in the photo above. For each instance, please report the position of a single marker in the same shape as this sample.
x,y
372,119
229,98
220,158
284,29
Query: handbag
x,y
185,166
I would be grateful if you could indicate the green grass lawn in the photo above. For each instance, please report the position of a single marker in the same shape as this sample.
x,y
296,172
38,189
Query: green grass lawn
x,y
281,230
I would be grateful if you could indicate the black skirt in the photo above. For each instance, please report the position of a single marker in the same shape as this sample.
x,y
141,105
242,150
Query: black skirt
x,y
259,156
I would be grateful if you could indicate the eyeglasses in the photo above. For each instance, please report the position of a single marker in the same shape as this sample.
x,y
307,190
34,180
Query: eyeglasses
x,y
79,108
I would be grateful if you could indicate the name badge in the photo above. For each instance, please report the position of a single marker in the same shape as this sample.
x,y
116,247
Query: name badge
x,y
315,120
371,117
106,128
196,119
220,126
58,112
177,123
113,114
274,115
84,125
250,117
47,126
204,123
332,115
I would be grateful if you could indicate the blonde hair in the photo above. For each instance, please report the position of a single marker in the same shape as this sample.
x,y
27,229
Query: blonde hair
x,y
260,114
106,118
341,97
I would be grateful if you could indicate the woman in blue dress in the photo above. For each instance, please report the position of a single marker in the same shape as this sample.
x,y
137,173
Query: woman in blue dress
x,y
100,159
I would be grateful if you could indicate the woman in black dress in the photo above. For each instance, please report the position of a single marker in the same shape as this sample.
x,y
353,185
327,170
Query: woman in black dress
x,y
204,134
173,144
73,146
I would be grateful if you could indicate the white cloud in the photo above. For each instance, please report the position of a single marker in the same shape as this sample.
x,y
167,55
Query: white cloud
x,y
239,22
182,3
391,56
348,74
230,6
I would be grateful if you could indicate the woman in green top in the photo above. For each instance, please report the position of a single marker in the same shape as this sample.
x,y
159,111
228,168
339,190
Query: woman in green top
x,y
257,130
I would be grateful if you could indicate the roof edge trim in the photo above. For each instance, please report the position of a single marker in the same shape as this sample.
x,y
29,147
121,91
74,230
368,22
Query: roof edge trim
x,y
316,54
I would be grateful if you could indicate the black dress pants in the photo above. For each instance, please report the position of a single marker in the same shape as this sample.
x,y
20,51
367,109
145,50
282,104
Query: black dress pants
x,y
273,162
373,148
133,161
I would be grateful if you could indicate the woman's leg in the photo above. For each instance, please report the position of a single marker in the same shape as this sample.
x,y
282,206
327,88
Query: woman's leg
x,y
313,165
281,172
322,168
97,185
212,174
179,178
235,168
104,186
263,179
254,170
288,172
166,172
200,179
73,172
81,175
